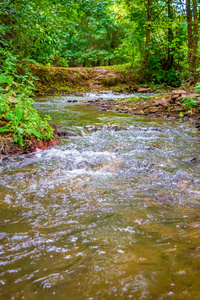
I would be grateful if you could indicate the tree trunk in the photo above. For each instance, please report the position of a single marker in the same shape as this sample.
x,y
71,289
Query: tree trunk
x,y
192,35
170,57
148,32
195,36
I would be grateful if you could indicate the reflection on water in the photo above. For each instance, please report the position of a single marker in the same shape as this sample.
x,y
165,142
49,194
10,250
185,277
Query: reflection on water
x,y
110,214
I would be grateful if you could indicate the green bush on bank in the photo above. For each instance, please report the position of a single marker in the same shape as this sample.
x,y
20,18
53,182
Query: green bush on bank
x,y
17,114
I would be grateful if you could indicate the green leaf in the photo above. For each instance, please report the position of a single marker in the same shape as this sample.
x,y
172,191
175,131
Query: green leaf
x,y
3,129
19,115
20,130
3,79
36,133
20,140
184,25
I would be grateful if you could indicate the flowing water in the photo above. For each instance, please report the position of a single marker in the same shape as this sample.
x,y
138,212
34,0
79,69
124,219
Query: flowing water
x,y
113,213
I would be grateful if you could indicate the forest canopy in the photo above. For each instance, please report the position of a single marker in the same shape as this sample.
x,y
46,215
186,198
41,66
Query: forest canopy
x,y
159,38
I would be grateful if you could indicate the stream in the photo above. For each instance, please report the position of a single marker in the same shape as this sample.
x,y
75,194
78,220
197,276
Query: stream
x,y
112,213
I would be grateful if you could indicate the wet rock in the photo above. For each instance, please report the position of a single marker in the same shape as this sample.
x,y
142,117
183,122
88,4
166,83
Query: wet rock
x,y
66,134
118,128
164,199
108,127
62,133
195,159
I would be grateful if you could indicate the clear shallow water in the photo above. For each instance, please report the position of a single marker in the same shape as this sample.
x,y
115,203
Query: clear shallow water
x,y
83,220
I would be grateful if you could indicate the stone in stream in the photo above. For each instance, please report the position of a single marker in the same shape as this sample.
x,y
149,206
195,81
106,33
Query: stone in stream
x,y
62,133
195,159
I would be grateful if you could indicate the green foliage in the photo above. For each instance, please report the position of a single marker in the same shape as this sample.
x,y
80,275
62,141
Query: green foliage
x,y
197,87
189,103
137,98
79,32
93,33
170,77
22,119
62,62
17,115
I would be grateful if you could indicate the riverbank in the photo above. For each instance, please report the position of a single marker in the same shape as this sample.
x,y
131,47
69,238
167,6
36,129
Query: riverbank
x,y
31,143
176,104
166,105
119,79
60,80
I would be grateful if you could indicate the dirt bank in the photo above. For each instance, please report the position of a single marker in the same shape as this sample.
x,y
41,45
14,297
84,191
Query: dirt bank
x,y
58,80
8,147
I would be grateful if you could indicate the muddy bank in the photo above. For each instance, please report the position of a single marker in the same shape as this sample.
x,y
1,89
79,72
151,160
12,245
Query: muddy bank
x,y
8,147
58,80
31,143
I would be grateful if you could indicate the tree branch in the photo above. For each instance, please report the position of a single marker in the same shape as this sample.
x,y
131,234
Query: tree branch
x,y
10,3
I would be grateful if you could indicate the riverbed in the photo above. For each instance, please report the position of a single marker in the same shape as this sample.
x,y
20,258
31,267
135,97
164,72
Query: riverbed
x,y
111,213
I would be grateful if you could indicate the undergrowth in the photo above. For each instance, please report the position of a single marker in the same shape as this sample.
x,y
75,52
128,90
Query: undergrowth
x,y
17,114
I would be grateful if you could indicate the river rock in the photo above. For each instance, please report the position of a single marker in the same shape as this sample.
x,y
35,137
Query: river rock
x,y
66,133
62,133
195,159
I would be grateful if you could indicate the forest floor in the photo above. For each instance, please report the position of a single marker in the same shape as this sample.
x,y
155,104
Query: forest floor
x,y
172,103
